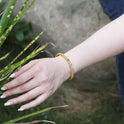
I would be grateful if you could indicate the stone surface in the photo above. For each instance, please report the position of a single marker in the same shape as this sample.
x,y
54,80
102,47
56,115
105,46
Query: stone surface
x,y
71,22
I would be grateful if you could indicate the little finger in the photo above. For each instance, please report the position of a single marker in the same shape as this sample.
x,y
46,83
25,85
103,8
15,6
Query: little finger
x,y
25,97
35,102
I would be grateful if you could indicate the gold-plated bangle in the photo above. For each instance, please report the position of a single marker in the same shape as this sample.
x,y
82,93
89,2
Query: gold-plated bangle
x,y
69,63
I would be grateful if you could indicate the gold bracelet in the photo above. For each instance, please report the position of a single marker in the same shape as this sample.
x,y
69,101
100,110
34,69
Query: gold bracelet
x,y
69,63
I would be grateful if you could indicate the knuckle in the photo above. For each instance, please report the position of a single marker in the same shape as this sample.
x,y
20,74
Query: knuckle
x,y
29,96
49,86
22,88
6,93
29,105
20,79
9,93
15,101
45,78
37,70
37,103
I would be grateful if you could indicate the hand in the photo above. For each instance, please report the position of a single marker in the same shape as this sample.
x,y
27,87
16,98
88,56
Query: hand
x,y
39,78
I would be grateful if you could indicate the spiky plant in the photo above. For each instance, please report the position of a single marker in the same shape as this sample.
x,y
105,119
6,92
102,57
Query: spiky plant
x,y
33,114
13,65
4,32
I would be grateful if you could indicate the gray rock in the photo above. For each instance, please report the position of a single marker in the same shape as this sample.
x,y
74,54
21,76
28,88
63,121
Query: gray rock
x,y
71,22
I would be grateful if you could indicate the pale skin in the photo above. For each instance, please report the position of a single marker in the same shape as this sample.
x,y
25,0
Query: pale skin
x,y
40,78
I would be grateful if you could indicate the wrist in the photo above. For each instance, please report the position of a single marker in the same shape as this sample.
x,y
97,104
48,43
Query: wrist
x,y
64,68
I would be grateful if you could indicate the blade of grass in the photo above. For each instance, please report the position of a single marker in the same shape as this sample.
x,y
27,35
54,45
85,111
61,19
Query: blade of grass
x,y
16,19
38,121
1,79
33,114
4,57
31,43
26,116
7,80
11,68
6,15
23,6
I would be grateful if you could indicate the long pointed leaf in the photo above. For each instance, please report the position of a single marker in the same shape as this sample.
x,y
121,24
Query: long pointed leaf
x,y
33,114
16,19
6,15
26,116
22,62
4,57
33,41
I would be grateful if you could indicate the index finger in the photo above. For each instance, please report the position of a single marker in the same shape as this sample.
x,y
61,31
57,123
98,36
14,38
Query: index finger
x,y
24,77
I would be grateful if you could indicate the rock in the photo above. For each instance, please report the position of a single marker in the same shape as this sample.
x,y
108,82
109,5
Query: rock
x,y
71,22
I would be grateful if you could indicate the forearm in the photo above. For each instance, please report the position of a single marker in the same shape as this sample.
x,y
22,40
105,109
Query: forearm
x,y
107,42
43,77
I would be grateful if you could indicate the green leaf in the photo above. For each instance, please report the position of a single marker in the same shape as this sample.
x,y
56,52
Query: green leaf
x,y
6,16
16,19
33,114
4,57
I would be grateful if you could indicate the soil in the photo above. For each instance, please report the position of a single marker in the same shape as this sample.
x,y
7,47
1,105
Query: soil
x,y
86,96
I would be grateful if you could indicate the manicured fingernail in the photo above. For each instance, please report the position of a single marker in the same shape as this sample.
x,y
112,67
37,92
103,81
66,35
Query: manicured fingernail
x,y
20,109
8,104
3,88
12,75
3,96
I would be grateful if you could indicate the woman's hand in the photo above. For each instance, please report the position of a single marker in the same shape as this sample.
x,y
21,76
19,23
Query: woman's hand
x,y
38,79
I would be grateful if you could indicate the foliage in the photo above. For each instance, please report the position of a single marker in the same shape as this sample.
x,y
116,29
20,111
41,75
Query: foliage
x,y
19,34
6,16
6,27
33,114
4,32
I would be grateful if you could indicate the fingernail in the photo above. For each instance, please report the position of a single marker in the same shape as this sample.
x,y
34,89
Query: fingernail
x,y
8,104
20,109
12,75
3,96
3,88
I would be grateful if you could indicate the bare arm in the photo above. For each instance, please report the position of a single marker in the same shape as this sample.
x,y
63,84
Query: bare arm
x,y
41,78
105,43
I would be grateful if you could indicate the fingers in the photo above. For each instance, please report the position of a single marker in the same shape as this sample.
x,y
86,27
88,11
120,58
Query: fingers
x,y
38,79
24,68
18,81
21,89
35,82
36,102
30,95
26,76
27,96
